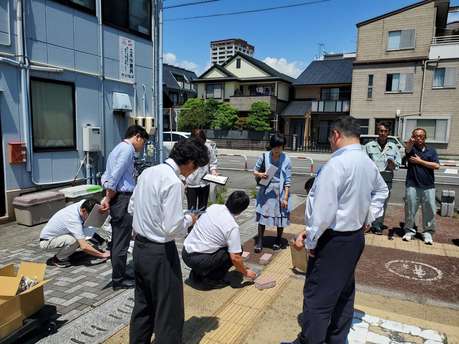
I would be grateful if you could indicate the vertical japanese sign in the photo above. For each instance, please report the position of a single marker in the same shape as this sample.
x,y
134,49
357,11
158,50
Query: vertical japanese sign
x,y
127,59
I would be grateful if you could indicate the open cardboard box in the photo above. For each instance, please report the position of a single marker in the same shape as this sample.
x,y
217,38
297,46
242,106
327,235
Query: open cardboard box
x,y
15,308
299,258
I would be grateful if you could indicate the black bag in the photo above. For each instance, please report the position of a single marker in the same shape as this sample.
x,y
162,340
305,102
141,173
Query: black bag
x,y
262,169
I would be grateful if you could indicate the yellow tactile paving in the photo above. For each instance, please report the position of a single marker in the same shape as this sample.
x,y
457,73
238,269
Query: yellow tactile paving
x,y
237,316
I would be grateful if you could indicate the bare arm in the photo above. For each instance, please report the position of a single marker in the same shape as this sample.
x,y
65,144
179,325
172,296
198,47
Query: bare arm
x,y
87,248
238,263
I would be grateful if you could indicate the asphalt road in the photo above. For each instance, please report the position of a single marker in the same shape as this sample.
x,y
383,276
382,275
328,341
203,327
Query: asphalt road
x,y
234,168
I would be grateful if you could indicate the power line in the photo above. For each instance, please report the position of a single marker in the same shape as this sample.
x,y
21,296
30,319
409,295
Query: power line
x,y
190,4
305,3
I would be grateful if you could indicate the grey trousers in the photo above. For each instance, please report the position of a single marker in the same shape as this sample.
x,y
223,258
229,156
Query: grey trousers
x,y
65,245
426,198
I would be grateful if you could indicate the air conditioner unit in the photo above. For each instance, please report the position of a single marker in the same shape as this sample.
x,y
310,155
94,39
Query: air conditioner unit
x,y
121,102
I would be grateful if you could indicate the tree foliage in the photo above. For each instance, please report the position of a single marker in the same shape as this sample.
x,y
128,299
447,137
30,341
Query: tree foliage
x,y
259,115
225,117
194,114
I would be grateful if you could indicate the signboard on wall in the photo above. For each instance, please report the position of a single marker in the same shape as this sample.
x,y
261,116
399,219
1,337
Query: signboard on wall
x,y
127,59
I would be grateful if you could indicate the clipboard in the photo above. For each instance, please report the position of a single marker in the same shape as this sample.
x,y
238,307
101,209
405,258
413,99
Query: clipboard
x,y
270,172
96,218
221,180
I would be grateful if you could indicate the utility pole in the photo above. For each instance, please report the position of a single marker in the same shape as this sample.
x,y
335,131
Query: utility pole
x,y
157,23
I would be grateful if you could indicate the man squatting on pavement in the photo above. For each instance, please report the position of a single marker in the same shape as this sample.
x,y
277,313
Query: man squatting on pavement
x,y
214,244
348,194
65,233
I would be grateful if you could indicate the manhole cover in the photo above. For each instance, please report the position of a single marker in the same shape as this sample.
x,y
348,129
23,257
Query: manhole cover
x,y
414,270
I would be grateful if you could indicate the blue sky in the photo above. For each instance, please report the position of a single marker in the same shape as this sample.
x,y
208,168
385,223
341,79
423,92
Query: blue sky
x,y
288,38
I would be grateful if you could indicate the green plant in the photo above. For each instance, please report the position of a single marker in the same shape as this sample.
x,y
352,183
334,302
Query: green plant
x,y
253,192
259,115
225,117
241,123
195,113
221,195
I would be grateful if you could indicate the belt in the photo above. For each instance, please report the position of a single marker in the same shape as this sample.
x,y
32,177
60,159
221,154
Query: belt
x,y
142,239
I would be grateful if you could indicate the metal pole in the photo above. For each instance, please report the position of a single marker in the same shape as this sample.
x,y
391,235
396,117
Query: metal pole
x,y
158,73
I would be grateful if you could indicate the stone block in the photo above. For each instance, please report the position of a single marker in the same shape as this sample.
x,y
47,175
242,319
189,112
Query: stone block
x,y
265,258
245,255
265,282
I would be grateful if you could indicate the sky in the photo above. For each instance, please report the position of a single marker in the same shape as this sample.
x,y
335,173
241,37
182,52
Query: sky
x,y
287,39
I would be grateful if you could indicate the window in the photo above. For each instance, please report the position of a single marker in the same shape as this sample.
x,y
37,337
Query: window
x,y
437,128
370,86
444,78
83,5
214,91
401,39
261,90
238,63
53,115
363,126
130,15
335,93
399,82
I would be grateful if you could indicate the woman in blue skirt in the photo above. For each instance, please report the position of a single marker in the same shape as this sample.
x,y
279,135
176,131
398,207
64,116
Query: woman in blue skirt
x,y
273,206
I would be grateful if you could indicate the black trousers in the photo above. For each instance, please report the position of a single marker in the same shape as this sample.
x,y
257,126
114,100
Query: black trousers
x,y
121,222
329,290
158,306
209,265
197,198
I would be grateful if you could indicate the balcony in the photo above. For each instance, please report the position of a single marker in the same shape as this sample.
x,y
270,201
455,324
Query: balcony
x,y
243,103
330,106
444,47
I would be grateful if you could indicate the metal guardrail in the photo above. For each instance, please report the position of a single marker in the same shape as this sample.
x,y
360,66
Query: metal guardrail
x,y
445,40
311,165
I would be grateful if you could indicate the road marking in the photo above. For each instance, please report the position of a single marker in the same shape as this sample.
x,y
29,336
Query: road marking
x,y
413,270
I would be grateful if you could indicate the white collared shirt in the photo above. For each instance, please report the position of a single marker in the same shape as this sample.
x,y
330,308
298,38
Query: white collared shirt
x,y
348,193
156,204
215,229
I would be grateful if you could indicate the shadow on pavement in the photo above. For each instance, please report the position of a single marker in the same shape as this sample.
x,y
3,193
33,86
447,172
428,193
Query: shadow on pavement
x,y
195,328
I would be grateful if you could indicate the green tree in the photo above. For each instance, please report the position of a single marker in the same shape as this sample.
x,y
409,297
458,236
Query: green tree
x,y
194,114
211,106
258,118
225,117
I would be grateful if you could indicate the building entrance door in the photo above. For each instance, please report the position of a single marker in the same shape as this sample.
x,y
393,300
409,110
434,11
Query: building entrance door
x,y
297,128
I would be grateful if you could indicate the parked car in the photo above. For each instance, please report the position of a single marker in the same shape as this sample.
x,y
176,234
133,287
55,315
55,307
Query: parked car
x,y
171,137
364,139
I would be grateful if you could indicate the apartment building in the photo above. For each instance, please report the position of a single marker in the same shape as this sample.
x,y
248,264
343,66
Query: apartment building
x,y
406,72
64,65
322,94
222,50
243,80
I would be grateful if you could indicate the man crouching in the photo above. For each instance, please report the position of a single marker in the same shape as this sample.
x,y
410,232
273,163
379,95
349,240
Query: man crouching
x,y
214,244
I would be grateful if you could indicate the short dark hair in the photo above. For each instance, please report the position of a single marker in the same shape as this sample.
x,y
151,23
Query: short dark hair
x,y
190,149
199,134
348,126
89,204
237,202
277,140
135,129
385,124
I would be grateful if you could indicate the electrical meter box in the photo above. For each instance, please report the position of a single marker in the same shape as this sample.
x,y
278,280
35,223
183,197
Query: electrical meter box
x,y
92,139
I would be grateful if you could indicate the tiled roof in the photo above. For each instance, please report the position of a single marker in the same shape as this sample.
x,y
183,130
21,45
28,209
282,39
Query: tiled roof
x,y
320,72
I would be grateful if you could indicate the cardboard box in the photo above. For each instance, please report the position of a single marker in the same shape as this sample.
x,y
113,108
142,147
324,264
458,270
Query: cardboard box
x,y
299,258
25,304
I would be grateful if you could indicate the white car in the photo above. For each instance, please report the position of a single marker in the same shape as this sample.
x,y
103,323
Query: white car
x,y
171,137
364,139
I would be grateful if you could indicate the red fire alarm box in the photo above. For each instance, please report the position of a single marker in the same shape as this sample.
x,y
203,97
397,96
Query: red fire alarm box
x,y
16,152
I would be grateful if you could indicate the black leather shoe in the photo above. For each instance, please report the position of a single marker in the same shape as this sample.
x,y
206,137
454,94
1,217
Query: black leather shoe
x,y
125,284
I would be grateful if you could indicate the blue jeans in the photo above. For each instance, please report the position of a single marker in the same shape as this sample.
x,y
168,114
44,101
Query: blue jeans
x,y
426,198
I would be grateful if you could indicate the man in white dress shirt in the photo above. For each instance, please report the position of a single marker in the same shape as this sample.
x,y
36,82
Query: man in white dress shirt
x,y
214,244
158,218
347,195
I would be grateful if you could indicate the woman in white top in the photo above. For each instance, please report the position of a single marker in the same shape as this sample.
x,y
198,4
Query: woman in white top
x,y
197,190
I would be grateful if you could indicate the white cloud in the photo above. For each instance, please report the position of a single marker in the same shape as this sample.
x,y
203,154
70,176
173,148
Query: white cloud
x,y
292,69
171,58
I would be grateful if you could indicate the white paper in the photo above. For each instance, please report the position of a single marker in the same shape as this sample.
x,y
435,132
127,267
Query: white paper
x,y
270,172
96,218
215,179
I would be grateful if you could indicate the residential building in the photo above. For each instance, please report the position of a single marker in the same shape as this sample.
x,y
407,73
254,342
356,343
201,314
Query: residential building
x,y
86,63
322,94
222,50
177,88
406,72
243,80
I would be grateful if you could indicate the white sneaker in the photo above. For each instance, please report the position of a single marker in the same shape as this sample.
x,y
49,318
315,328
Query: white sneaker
x,y
428,239
408,236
